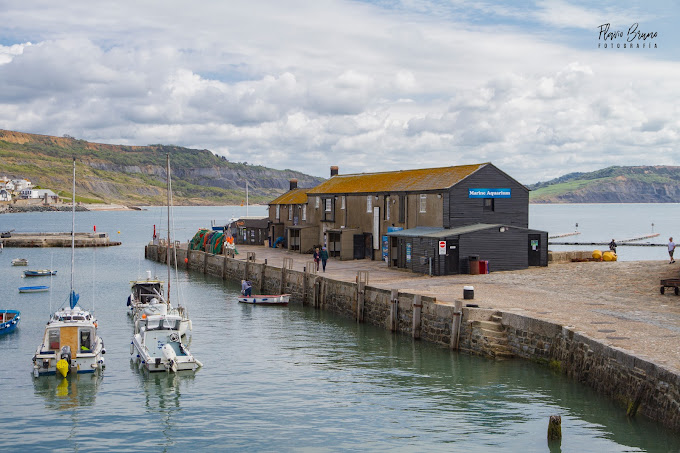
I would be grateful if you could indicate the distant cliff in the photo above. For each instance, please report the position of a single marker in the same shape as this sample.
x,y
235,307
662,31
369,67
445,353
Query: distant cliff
x,y
647,184
136,175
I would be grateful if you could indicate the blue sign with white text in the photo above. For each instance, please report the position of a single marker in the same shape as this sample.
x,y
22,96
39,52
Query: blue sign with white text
x,y
489,193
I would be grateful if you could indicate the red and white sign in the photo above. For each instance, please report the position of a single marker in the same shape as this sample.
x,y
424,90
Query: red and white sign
x,y
442,247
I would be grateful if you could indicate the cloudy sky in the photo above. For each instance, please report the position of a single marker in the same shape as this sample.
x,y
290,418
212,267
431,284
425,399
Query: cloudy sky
x,y
365,85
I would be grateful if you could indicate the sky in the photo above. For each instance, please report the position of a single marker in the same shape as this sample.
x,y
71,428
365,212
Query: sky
x,y
538,88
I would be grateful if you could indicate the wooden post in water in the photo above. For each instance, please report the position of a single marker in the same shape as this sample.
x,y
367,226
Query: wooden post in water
x,y
455,324
394,310
555,428
361,290
317,292
417,307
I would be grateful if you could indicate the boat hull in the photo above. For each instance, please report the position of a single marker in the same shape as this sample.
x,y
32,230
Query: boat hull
x,y
10,320
277,299
33,289
39,273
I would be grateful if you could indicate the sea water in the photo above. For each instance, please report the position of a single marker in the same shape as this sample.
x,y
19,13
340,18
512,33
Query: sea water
x,y
274,378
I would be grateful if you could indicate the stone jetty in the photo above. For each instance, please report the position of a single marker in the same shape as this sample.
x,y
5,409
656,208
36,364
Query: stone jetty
x,y
14,239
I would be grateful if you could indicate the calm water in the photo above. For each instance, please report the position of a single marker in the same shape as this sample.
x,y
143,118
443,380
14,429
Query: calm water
x,y
274,378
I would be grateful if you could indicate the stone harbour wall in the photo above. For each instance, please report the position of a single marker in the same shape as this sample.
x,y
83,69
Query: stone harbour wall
x,y
639,385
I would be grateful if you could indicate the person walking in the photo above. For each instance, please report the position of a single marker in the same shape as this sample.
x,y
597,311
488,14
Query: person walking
x,y
317,257
671,249
324,258
612,246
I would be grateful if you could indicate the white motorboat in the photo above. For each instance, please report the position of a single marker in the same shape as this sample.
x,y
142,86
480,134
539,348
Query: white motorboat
x,y
70,343
158,345
145,297
19,262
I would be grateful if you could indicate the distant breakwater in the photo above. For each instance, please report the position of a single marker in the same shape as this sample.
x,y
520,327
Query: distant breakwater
x,y
14,209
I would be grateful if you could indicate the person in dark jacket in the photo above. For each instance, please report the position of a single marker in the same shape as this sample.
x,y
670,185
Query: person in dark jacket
x,y
317,257
324,257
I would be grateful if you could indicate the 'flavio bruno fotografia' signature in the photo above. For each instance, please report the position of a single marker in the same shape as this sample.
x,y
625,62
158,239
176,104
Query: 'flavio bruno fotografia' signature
x,y
634,38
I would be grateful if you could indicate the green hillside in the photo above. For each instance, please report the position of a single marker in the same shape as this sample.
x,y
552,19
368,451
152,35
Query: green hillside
x,y
644,184
136,175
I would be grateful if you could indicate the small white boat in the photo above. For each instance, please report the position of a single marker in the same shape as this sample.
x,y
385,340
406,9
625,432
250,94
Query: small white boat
x,y
33,289
278,299
142,291
158,345
39,273
19,262
70,344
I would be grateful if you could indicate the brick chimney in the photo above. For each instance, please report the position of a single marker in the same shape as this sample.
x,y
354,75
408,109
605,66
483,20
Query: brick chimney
x,y
293,184
334,170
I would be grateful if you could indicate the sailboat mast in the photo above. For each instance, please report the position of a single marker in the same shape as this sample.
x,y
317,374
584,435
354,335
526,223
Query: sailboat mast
x,y
73,227
167,257
246,198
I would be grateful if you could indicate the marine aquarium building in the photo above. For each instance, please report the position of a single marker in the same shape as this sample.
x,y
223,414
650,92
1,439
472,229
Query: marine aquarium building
x,y
439,221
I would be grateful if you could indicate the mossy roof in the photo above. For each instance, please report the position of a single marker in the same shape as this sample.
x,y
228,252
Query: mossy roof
x,y
295,196
423,179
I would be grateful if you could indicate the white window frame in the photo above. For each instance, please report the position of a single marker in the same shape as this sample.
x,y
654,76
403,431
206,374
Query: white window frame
x,y
369,203
423,202
328,205
342,202
304,212
278,212
318,200
387,208
290,212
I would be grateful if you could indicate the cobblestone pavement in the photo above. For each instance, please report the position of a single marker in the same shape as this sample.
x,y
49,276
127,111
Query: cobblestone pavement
x,y
617,303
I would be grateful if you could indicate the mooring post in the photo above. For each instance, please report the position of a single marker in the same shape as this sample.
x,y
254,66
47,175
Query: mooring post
x,y
417,307
394,310
316,292
555,428
455,323
361,290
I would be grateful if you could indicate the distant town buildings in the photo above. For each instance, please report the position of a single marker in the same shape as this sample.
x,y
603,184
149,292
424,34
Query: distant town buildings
x,y
22,189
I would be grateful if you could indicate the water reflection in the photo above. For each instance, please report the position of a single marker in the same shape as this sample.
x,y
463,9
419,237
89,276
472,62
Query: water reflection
x,y
162,397
70,392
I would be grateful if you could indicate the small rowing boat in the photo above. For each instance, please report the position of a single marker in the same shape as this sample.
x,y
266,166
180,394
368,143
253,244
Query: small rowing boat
x,y
9,319
33,289
277,299
39,273
19,262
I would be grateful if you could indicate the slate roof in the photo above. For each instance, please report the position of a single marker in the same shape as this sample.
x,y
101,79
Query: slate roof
x,y
397,181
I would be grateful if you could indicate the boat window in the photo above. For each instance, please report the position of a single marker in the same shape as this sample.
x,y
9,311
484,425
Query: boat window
x,y
85,340
79,318
169,324
152,324
53,339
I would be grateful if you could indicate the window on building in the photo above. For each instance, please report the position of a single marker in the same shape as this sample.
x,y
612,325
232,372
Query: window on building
x,y
369,203
316,203
304,212
328,204
489,204
290,212
423,203
342,202
278,211
387,208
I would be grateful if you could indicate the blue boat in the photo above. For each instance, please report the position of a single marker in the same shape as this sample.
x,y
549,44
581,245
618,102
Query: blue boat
x,y
10,319
39,273
33,289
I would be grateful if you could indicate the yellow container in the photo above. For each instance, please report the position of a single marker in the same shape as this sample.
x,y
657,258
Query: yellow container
x,y
597,254
609,256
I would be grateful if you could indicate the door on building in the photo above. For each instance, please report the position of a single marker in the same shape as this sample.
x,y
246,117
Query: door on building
x,y
359,247
534,250
333,244
452,257
294,239
368,245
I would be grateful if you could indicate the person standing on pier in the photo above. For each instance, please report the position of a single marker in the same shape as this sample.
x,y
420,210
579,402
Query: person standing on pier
x,y
317,257
324,258
671,249
612,246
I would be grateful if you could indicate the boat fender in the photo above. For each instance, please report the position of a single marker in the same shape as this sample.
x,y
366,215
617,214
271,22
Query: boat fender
x,y
62,367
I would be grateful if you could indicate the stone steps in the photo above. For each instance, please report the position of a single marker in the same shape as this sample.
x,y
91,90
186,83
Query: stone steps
x,y
492,337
